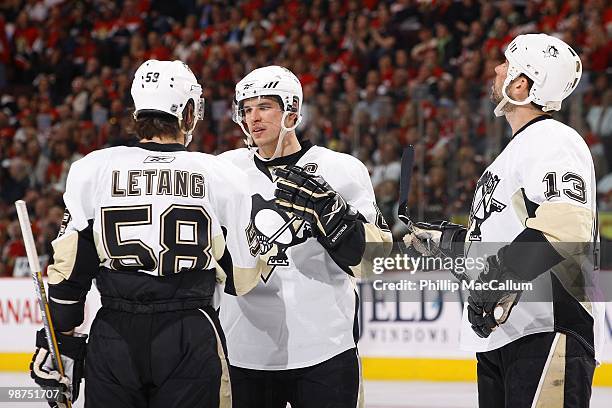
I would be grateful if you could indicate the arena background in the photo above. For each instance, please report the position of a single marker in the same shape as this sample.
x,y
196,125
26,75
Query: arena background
x,y
376,75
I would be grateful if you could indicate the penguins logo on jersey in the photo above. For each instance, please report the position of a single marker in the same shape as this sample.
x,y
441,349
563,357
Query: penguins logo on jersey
x,y
271,232
483,204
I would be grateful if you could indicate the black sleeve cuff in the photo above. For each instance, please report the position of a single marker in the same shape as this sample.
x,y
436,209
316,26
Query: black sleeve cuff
x,y
458,243
529,255
226,263
349,251
67,306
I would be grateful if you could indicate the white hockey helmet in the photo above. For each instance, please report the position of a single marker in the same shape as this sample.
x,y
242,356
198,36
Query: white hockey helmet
x,y
167,86
552,65
272,80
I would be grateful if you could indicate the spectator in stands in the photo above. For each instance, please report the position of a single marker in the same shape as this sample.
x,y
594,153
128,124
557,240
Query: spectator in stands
x,y
378,73
599,118
388,167
17,182
13,248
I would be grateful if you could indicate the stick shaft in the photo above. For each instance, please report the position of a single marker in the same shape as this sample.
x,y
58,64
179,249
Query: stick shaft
x,y
405,181
39,285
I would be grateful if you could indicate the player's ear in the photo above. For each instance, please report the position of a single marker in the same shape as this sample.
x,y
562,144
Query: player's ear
x,y
188,116
291,120
520,87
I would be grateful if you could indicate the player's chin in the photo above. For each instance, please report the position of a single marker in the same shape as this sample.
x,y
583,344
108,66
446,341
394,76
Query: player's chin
x,y
262,137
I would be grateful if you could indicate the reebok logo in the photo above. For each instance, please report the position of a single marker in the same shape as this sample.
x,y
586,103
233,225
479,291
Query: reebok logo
x,y
159,159
335,208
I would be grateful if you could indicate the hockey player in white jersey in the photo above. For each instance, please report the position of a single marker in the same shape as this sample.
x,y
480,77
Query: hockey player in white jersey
x,y
152,224
293,338
536,205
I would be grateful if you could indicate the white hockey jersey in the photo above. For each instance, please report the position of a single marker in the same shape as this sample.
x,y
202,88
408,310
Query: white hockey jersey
x,y
544,180
304,311
153,209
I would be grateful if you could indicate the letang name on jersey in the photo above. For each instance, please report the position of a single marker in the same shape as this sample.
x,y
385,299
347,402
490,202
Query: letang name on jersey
x,y
178,183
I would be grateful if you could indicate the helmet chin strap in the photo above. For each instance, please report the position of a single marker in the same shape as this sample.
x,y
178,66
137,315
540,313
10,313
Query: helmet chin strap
x,y
279,144
188,134
248,139
188,137
281,137
499,109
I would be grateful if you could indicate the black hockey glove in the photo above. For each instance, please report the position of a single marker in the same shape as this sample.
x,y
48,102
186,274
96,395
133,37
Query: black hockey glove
x,y
44,372
488,307
312,199
444,235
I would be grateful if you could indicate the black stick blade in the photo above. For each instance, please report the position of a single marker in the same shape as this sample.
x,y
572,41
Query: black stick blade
x,y
405,178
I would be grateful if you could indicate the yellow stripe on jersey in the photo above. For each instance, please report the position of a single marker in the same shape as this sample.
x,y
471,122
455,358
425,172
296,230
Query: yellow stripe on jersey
x,y
218,249
563,222
246,279
218,246
98,242
569,228
518,203
64,257
378,244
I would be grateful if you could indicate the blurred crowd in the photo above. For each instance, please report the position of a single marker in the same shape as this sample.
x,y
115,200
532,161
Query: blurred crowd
x,y
377,75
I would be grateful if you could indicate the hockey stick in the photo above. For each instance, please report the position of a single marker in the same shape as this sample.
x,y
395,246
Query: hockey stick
x,y
502,310
405,180
402,209
39,285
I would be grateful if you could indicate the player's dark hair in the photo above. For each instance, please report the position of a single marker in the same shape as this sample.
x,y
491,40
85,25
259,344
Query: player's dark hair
x,y
272,97
279,100
155,123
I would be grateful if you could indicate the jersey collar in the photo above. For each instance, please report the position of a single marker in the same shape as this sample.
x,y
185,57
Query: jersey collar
x,y
531,122
162,147
264,166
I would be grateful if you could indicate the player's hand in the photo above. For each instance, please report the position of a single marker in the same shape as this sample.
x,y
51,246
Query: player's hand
x,y
426,237
44,372
312,199
489,308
